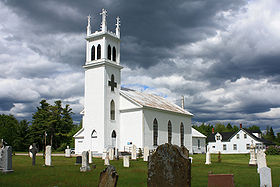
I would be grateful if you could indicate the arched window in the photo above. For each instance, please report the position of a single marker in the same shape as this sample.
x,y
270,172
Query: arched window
x,y
92,53
112,110
94,134
169,132
109,52
98,51
182,134
155,128
114,135
114,54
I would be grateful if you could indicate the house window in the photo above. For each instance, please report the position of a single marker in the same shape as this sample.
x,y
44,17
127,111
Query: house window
x,y
234,146
182,134
245,136
247,146
218,137
237,136
155,128
169,132
224,147
198,144
112,110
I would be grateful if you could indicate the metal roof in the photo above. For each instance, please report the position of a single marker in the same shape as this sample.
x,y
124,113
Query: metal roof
x,y
197,134
152,101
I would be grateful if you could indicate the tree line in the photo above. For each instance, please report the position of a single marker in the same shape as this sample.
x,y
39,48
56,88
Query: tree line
x,y
206,129
52,124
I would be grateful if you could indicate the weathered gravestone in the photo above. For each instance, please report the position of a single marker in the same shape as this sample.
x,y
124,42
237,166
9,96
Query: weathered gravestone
x,y
89,156
111,153
253,160
104,154
169,166
30,154
34,151
265,177
133,153
146,154
219,157
85,164
78,160
1,157
220,180
106,160
67,152
7,159
126,161
208,157
108,177
48,158
261,160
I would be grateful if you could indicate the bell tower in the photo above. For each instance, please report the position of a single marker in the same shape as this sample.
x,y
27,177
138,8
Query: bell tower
x,y
101,118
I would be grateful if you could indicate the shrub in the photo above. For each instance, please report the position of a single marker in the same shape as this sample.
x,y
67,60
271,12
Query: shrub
x,y
273,150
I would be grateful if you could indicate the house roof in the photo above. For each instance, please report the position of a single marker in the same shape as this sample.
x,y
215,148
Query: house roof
x,y
152,101
197,134
225,136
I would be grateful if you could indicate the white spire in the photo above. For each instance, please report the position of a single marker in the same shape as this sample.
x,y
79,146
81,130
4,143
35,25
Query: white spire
x,y
118,30
104,23
88,26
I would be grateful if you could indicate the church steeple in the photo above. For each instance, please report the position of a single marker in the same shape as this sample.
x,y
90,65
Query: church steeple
x,y
88,26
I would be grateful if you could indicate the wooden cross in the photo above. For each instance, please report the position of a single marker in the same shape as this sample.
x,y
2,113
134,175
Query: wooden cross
x,y
112,83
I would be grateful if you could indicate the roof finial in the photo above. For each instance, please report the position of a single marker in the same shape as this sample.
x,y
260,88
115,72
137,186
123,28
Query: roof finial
x,y
118,24
183,102
103,23
88,26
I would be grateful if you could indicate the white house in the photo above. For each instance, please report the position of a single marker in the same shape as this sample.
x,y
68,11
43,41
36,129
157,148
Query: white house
x,y
236,142
117,118
198,142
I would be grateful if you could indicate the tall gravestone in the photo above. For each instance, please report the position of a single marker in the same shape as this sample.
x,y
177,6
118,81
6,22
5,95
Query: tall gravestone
x,y
261,159
106,160
85,164
169,166
111,153
133,153
68,152
30,154
146,154
1,157
253,160
265,177
89,156
126,161
208,157
48,158
104,154
108,177
34,151
7,159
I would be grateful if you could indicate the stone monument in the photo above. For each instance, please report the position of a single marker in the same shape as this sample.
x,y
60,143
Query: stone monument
x,y
253,160
169,166
85,164
133,153
30,154
67,152
146,154
34,151
48,159
265,177
78,160
106,160
126,161
7,159
108,177
208,157
111,153
261,159
104,154
89,156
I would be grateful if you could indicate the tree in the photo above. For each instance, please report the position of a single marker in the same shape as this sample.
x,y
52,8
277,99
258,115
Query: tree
x,y
8,124
254,128
22,140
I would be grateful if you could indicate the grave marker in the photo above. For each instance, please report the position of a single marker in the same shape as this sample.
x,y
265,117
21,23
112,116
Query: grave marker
x,y
133,153
220,180
7,159
106,160
78,160
265,177
108,177
261,159
126,161
146,154
253,160
34,151
48,159
85,164
89,156
67,152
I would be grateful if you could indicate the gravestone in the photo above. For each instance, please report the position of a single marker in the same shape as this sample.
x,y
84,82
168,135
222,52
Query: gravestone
x,y
67,152
106,160
208,157
220,180
111,153
78,160
85,164
34,151
108,177
219,157
89,156
126,161
146,154
169,166
253,160
265,177
48,159
1,157
261,159
133,153
7,159
30,154
104,154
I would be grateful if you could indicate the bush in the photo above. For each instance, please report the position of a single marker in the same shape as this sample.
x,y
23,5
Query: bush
x,y
273,150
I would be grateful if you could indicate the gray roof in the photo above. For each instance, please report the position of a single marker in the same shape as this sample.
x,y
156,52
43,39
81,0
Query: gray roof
x,y
152,101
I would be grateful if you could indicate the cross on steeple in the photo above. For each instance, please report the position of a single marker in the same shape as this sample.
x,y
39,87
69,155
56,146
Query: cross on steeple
x,y
112,83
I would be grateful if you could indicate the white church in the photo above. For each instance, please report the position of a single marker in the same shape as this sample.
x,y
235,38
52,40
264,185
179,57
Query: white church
x,y
115,117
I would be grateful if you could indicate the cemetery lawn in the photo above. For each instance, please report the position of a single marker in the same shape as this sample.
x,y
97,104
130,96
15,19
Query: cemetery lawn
x,y
66,173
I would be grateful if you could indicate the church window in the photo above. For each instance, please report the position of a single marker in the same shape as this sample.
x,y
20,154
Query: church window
x,y
182,134
114,54
112,83
114,135
169,132
98,51
112,110
92,53
155,128
109,52
94,134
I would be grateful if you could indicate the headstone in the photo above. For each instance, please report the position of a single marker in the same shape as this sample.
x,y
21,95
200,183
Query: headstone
x,y
146,154
265,177
1,158
219,157
220,180
67,152
89,156
104,154
126,161
48,159
106,160
261,159
133,153
169,166
185,151
34,151
111,153
85,164
108,177
208,157
7,159
78,160
253,160
30,154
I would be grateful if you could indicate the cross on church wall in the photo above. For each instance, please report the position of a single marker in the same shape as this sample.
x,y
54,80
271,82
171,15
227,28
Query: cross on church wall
x,y
112,83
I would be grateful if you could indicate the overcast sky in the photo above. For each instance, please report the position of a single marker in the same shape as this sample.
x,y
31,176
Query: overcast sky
x,y
222,55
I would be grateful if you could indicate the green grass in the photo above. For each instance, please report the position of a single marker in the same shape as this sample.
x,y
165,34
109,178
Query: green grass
x,y
66,173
